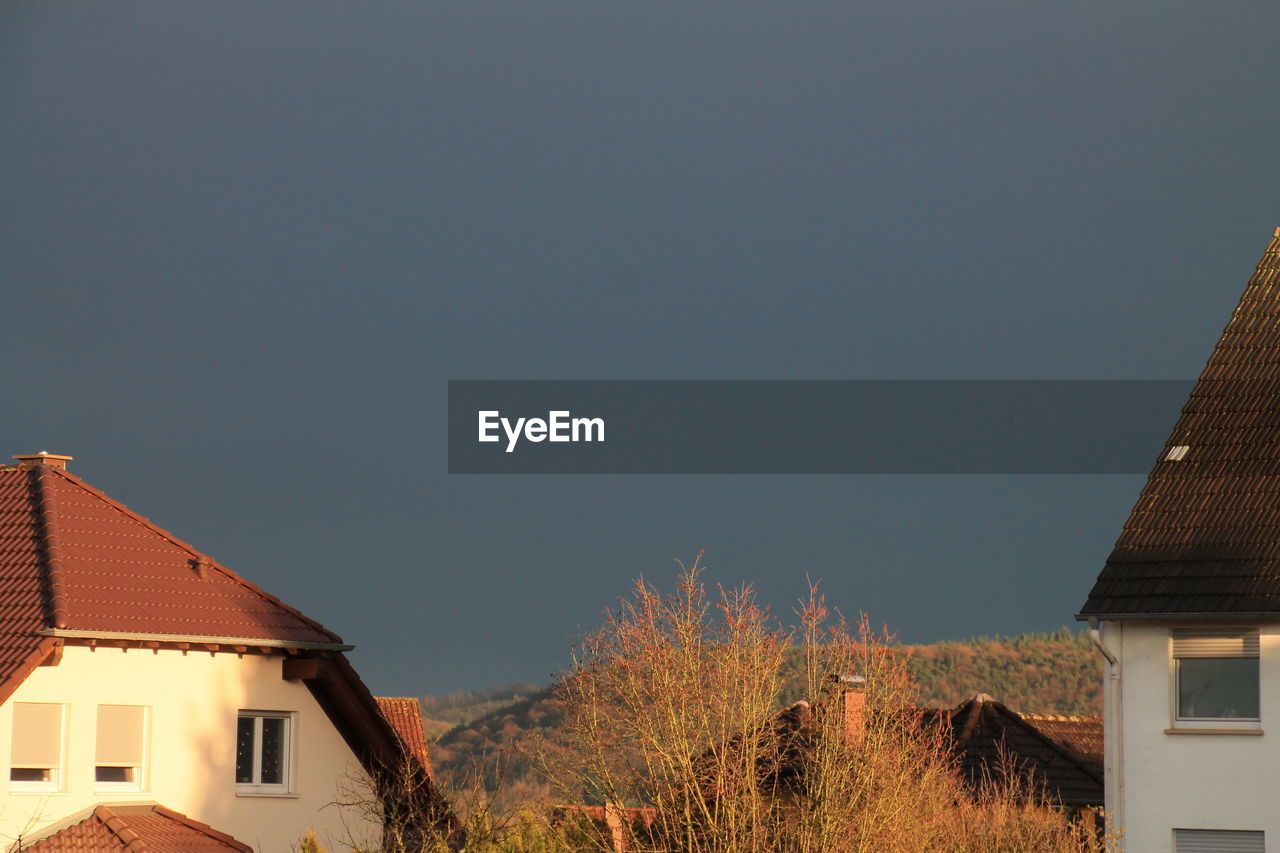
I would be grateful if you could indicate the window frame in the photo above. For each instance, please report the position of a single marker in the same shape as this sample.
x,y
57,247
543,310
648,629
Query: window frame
x,y
140,769
257,788
1249,636
57,773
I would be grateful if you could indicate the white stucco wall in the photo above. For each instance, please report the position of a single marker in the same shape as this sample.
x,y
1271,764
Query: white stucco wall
x,y
1157,781
194,699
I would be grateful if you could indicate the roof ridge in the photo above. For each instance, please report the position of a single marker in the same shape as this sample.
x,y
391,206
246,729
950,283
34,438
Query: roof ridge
x,y
49,540
119,827
1059,717
190,549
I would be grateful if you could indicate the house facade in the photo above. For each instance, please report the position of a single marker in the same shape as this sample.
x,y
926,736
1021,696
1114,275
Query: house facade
x,y
142,684
1186,611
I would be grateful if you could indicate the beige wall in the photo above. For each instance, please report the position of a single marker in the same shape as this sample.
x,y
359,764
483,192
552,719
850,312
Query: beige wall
x,y
1186,781
190,768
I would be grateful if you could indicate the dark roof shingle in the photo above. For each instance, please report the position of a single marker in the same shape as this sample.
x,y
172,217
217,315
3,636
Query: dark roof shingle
x,y
1063,754
1204,536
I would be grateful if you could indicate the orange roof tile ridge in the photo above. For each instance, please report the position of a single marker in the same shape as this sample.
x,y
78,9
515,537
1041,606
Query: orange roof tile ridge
x,y
119,827
1061,718
52,550
191,549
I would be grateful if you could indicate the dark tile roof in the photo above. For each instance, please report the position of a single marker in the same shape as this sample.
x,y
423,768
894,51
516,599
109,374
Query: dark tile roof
x,y
405,716
1063,754
1079,735
136,829
1204,536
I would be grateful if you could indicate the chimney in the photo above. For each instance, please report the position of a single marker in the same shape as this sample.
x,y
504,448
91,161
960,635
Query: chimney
x,y
851,693
615,819
44,457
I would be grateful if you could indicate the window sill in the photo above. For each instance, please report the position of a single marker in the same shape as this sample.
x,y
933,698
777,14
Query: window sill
x,y
1252,732
280,795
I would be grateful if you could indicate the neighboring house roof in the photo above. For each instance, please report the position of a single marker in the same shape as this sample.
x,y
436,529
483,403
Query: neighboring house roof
x,y
1204,536
405,716
1079,735
135,829
1057,752
1061,754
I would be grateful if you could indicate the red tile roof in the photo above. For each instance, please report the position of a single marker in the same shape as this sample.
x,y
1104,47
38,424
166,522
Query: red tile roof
x,y
405,716
76,565
1204,536
75,562
136,829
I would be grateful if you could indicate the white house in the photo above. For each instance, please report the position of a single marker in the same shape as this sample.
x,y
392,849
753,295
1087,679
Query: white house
x,y
1187,610
149,693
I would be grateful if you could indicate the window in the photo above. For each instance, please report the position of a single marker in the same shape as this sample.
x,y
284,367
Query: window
x,y
1217,841
262,751
1216,674
35,758
119,747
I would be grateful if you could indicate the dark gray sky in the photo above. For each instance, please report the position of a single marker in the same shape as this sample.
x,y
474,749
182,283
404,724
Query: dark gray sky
x,y
243,247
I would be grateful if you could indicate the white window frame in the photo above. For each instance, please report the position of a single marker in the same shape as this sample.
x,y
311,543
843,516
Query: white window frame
x,y
1244,725
139,770
56,774
257,788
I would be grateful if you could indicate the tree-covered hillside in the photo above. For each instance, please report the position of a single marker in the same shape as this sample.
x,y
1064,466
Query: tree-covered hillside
x,y
1057,673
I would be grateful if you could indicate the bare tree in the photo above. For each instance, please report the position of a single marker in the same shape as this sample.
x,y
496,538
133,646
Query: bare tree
x,y
674,710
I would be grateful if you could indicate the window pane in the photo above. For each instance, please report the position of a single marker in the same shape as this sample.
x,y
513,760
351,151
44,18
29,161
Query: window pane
x,y
272,751
113,774
30,774
1218,687
244,750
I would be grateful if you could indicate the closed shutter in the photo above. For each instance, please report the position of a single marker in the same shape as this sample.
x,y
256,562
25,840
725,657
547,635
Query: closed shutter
x,y
120,732
1217,841
37,735
1214,643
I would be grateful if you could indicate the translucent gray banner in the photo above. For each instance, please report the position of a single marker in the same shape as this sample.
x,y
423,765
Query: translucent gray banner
x,y
810,427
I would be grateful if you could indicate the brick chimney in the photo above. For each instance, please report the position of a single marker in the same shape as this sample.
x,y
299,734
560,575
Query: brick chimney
x,y
44,457
850,692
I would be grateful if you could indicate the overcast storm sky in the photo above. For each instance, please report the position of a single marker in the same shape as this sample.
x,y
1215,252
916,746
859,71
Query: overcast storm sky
x,y
243,246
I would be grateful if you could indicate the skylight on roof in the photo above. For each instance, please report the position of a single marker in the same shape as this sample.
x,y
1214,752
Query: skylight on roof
x,y
1177,454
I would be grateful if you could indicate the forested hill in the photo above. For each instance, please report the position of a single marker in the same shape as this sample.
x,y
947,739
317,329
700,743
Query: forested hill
x,y
1057,673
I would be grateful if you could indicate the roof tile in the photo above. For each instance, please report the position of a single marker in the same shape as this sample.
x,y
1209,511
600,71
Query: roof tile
x,y
137,829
